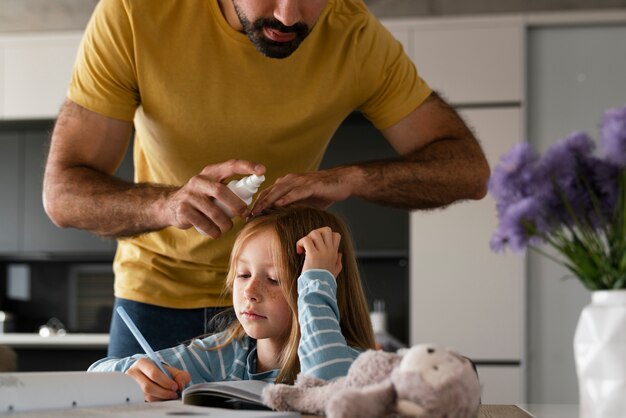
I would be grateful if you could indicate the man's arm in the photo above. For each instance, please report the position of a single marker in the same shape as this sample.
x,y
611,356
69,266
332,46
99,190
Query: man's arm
x,y
80,190
440,162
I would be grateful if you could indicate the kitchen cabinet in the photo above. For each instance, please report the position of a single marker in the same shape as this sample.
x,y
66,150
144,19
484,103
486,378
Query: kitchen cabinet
x,y
35,73
38,231
26,229
380,234
542,74
401,30
10,208
464,295
471,60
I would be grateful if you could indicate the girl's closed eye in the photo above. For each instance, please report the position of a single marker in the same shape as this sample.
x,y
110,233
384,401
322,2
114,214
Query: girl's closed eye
x,y
243,275
274,281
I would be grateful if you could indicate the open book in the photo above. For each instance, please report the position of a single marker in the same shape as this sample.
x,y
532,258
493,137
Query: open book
x,y
237,394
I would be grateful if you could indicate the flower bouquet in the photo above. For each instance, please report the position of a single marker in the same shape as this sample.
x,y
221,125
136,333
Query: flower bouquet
x,y
570,199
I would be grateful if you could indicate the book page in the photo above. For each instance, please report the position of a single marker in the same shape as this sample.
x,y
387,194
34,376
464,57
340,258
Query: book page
x,y
220,393
249,390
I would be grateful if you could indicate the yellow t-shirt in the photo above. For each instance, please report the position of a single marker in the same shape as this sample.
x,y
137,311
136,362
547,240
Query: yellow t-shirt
x,y
200,93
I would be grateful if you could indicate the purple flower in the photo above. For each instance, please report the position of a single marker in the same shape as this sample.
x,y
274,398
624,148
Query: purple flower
x,y
557,181
521,224
613,132
606,183
561,160
570,199
511,180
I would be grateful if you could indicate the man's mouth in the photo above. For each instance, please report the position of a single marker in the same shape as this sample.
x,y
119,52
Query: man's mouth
x,y
278,36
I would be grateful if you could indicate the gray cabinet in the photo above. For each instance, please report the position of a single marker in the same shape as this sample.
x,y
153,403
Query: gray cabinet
x,y
40,234
10,184
380,234
24,226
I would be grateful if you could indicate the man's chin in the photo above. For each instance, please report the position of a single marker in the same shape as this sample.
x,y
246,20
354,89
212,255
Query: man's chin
x,y
275,50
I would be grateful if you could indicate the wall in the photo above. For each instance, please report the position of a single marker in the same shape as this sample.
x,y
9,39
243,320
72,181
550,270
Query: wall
x,y
28,15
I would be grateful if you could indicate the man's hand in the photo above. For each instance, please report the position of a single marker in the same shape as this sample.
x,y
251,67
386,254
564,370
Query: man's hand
x,y
193,204
321,249
157,386
319,189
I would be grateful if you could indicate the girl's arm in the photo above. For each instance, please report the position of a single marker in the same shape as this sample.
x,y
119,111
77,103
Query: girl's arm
x,y
323,350
187,364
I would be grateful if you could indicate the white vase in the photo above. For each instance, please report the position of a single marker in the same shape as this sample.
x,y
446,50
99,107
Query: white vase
x,y
600,352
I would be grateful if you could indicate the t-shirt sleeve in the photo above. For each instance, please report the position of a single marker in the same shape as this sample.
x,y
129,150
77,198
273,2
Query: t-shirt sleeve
x,y
388,79
104,76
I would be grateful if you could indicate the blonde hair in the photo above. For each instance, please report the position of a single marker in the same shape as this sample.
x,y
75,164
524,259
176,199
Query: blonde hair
x,y
289,225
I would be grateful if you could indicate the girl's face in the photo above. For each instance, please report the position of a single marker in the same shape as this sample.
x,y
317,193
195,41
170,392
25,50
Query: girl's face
x,y
258,299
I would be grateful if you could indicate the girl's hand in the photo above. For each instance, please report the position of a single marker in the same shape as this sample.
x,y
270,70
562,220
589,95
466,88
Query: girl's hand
x,y
157,386
321,249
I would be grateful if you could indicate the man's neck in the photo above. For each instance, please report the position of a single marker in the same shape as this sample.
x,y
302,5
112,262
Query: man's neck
x,y
228,10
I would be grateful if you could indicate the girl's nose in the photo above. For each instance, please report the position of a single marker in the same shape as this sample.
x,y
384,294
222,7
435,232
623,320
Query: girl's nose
x,y
288,12
252,289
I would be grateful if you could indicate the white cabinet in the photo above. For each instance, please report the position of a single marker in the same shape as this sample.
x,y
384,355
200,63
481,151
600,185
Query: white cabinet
x,y
462,294
35,71
402,30
35,74
471,61
2,94
501,384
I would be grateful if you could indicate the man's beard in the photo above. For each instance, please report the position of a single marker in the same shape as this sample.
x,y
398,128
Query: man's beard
x,y
269,48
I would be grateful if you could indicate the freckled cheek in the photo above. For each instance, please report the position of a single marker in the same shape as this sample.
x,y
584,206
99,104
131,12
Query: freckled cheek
x,y
276,295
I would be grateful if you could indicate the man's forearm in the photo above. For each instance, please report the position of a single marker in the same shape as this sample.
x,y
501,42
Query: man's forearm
x,y
80,197
447,170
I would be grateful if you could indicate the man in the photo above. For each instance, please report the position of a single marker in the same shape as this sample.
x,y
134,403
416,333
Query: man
x,y
216,89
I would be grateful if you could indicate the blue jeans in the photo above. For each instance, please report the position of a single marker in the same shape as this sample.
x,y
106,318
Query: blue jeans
x,y
162,327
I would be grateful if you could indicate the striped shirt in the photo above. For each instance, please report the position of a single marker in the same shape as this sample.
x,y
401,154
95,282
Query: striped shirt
x,y
323,350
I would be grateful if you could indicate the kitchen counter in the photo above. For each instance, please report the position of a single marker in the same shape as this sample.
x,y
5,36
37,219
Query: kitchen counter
x,y
71,340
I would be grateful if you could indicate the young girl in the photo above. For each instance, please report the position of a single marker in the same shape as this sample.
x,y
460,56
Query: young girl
x,y
299,304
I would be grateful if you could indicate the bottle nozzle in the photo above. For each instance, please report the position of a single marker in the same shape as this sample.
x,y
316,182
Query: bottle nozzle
x,y
254,180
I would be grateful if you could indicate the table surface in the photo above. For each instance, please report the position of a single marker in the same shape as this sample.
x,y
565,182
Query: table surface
x,y
528,411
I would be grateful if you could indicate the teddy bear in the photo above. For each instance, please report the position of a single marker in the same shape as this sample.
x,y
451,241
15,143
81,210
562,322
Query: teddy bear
x,y
425,381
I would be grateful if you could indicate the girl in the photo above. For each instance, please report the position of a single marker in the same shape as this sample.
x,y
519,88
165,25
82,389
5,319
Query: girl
x,y
299,305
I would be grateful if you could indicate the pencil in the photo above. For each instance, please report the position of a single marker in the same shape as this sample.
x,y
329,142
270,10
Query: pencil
x,y
142,341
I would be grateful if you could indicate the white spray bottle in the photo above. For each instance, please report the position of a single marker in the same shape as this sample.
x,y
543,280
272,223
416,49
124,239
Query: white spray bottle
x,y
245,188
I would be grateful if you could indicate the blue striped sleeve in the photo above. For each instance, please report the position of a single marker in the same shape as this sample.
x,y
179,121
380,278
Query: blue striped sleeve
x,y
323,350
203,365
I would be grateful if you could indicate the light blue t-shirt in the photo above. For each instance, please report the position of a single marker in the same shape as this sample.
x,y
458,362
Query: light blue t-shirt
x,y
323,351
